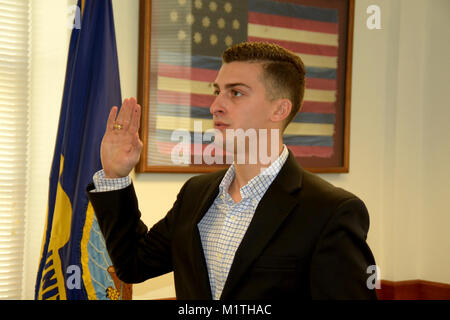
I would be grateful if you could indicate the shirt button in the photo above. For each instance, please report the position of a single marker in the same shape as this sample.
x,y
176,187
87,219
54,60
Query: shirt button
x,y
219,256
255,202
233,218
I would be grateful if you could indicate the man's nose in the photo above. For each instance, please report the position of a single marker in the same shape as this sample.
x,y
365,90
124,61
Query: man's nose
x,y
218,106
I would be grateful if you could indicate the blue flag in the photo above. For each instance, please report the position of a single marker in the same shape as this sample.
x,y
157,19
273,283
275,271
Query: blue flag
x,y
74,263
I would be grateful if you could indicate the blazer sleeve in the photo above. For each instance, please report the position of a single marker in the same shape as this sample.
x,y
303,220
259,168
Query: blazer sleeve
x,y
136,253
341,257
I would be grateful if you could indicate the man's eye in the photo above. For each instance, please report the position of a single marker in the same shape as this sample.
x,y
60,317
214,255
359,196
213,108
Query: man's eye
x,y
236,93
216,92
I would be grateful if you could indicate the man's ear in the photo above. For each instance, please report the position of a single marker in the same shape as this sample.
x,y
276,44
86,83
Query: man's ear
x,y
282,109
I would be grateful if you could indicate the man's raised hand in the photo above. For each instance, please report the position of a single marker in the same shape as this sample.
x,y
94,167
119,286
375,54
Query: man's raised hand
x,y
121,146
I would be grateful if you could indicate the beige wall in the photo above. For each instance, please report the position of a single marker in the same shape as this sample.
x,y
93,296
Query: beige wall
x,y
434,245
399,150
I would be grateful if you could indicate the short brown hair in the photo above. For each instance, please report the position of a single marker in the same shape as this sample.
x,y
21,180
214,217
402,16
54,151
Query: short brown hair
x,y
284,72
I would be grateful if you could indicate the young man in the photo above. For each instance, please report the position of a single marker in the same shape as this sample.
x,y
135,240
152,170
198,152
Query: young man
x,y
252,231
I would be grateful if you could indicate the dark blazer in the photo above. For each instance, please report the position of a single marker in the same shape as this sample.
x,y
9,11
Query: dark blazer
x,y
306,240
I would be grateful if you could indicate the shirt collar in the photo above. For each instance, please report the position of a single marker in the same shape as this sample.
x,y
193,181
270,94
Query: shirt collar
x,y
259,184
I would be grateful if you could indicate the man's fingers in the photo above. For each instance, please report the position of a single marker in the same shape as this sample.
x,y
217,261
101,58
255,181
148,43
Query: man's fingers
x,y
111,118
123,110
126,111
135,119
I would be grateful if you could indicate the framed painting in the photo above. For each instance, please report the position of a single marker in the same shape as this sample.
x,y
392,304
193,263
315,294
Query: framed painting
x,y
180,48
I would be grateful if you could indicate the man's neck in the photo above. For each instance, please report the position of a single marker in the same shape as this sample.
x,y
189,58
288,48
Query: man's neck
x,y
246,172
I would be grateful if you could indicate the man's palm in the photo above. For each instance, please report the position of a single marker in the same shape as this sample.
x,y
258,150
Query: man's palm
x,y
121,148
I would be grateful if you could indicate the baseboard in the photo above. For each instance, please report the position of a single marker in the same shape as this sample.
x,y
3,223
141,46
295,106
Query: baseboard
x,y
413,290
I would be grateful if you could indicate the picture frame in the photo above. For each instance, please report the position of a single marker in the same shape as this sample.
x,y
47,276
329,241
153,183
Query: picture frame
x,y
173,79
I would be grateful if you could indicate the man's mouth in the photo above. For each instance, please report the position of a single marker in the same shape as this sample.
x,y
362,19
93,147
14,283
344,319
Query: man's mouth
x,y
220,125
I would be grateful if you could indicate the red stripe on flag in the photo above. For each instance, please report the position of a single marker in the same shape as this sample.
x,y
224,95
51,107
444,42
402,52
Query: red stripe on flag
x,y
298,151
196,149
181,72
299,47
205,101
184,99
292,23
318,107
322,84
167,147
311,151
197,74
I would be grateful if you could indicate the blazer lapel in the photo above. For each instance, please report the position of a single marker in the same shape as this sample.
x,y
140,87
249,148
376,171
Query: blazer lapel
x,y
276,204
198,256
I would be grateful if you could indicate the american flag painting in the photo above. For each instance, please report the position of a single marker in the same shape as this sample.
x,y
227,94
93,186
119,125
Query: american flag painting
x,y
188,38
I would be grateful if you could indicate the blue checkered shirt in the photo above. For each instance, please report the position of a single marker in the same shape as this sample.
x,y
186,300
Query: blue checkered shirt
x,y
103,184
225,223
